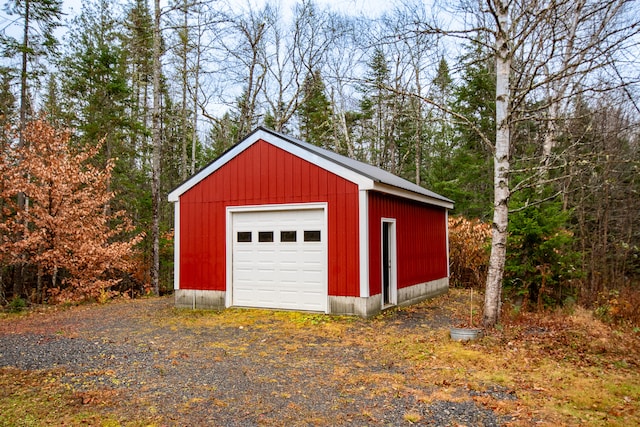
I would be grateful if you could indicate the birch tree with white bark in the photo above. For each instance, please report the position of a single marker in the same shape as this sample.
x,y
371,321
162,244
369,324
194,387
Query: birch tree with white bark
x,y
546,52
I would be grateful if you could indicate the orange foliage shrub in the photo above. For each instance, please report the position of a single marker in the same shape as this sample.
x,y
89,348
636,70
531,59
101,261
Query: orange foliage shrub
x,y
64,228
619,306
468,252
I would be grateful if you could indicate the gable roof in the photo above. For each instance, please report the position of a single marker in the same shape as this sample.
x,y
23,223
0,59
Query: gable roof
x,y
367,177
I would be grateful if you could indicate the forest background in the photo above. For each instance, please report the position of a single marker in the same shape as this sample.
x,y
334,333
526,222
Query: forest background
x,y
100,121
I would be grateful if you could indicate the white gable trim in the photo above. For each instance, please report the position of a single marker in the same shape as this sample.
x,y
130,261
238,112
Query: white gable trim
x,y
446,227
363,182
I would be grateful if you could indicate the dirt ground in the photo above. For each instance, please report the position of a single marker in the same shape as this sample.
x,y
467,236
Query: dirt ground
x,y
144,362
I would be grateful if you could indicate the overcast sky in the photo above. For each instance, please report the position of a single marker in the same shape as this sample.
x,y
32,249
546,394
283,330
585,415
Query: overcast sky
x,y
352,7
368,8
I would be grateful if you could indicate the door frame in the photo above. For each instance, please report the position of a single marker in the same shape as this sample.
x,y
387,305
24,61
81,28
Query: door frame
x,y
389,281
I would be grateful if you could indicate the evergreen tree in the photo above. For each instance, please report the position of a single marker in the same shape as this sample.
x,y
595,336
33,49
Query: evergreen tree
x,y
96,88
541,261
314,112
377,114
7,105
137,43
52,103
435,145
223,134
471,160
38,20
410,138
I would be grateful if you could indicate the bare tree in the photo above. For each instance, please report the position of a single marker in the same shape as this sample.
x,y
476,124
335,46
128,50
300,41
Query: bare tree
x,y
499,9
341,65
243,47
193,27
291,54
184,48
416,58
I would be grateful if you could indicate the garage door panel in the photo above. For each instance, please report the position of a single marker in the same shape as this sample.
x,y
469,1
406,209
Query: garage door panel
x,y
287,272
289,279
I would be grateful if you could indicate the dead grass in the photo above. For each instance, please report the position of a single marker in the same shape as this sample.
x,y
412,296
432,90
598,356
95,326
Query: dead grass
x,y
39,399
564,369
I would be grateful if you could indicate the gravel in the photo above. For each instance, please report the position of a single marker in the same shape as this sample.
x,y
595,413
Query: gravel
x,y
226,376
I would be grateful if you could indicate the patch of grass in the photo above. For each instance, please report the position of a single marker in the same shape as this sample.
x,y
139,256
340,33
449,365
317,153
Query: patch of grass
x,y
565,370
412,417
40,399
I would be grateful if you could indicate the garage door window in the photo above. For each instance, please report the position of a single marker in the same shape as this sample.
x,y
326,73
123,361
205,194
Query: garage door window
x,y
312,236
265,236
288,236
244,236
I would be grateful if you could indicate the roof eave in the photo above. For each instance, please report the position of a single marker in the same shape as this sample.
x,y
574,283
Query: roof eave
x,y
396,191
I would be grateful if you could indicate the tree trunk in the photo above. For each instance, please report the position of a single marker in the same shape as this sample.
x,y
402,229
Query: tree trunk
x,y
418,136
194,135
493,294
185,81
39,296
18,280
157,147
23,71
3,295
18,284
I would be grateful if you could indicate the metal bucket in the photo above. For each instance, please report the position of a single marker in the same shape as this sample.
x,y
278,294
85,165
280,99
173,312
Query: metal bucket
x,y
465,334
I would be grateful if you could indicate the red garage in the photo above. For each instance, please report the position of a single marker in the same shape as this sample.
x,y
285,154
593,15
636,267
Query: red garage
x,y
279,223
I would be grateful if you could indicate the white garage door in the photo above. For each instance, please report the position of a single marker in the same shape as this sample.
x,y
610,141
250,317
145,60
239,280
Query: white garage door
x,y
280,259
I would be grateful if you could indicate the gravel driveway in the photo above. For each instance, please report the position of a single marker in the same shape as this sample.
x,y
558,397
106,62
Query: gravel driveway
x,y
204,368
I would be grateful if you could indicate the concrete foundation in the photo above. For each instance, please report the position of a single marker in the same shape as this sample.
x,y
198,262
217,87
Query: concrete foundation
x,y
195,299
355,306
368,307
422,291
351,306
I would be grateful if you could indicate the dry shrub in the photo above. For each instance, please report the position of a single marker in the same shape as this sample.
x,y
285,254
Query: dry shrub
x,y
468,251
630,309
619,306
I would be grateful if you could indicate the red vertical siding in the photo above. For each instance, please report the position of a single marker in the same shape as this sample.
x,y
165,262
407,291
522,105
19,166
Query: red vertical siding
x,y
265,174
421,240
